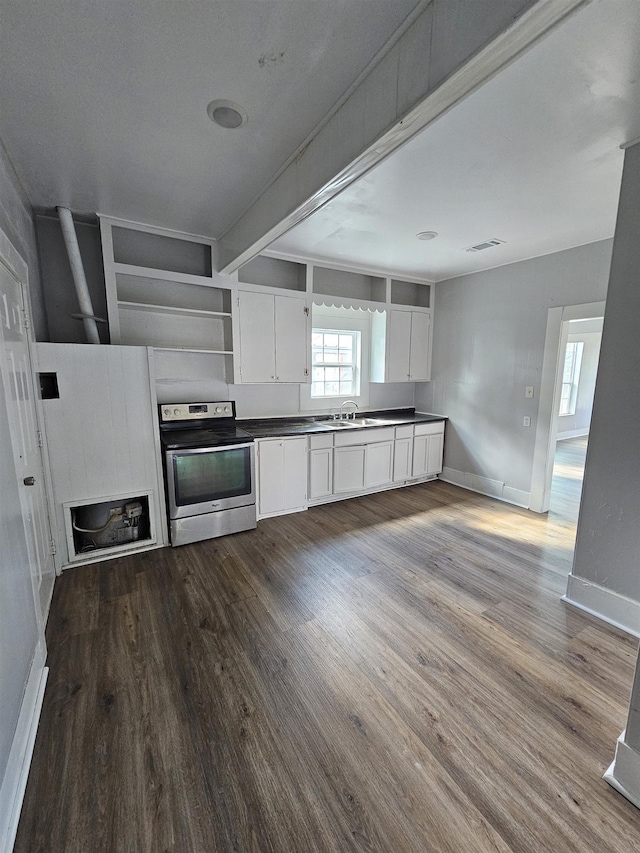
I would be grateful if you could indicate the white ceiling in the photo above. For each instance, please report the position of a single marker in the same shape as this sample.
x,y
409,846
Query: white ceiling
x,y
103,105
103,108
531,158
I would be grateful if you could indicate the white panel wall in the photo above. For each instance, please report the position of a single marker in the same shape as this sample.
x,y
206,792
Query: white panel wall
x,y
489,336
101,431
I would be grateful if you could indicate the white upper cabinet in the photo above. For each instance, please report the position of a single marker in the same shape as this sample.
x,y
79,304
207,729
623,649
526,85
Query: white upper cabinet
x,y
401,347
273,340
420,350
398,346
292,339
256,361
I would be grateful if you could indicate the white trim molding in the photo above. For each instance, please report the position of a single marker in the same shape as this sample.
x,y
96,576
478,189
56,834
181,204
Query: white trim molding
x,y
623,773
17,770
486,486
604,603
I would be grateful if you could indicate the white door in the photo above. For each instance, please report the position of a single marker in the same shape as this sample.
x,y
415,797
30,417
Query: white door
x,y
257,337
348,469
295,473
271,483
320,473
434,453
378,464
420,464
292,340
402,457
398,346
419,367
15,365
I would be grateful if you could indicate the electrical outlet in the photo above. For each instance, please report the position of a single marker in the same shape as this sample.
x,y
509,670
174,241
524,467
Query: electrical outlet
x,y
528,391
526,421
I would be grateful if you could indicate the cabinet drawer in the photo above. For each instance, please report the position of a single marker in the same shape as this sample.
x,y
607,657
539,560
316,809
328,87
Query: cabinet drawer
x,y
363,436
405,431
429,429
320,442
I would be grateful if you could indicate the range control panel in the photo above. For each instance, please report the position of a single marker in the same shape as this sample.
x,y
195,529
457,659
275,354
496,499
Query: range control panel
x,y
196,411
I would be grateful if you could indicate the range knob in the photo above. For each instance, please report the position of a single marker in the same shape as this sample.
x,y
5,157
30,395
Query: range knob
x,y
227,410
218,410
176,411
166,412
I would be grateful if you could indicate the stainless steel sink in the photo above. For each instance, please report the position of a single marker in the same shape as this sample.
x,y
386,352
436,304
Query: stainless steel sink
x,y
338,424
353,422
366,421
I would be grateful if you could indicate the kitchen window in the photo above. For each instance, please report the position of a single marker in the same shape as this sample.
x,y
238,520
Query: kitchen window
x,y
335,356
571,377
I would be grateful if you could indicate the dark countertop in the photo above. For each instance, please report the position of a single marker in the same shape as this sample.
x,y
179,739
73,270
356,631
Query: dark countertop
x,y
274,427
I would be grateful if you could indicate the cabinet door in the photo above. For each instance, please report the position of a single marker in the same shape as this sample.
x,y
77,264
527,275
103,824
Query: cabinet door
x,y
292,340
420,456
420,349
434,453
399,346
320,473
295,473
271,482
378,464
257,336
282,475
348,469
402,458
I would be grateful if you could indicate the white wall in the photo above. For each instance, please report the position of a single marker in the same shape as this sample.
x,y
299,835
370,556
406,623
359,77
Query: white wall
x,y
489,335
578,423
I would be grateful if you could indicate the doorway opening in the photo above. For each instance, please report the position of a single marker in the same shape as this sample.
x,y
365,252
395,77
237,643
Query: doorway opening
x,y
577,368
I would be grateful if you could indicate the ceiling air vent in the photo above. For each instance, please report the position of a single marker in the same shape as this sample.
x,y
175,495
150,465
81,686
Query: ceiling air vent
x,y
479,247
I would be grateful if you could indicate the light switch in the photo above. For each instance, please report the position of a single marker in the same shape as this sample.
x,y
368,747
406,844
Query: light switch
x,y
526,421
528,391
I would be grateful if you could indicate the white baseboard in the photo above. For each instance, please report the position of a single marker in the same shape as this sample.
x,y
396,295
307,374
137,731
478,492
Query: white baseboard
x,y
624,772
572,433
486,486
610,606
17,770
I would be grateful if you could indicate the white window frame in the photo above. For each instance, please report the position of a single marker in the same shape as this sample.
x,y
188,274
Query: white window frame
x,y
356,338
335,318
569,388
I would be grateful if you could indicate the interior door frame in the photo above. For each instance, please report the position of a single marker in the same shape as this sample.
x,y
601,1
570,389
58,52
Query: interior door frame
x,y
13,261
550,383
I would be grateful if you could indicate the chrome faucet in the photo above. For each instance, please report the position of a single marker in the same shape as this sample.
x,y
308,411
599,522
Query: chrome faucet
x,y
346,415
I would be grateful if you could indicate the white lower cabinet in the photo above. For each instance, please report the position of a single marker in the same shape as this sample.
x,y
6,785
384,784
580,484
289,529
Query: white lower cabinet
x,y
378,464
320,473
428,446
403,453
282,475
349,462
348,469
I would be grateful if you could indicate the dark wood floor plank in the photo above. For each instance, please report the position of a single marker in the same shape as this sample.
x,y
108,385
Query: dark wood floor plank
x,y
392,673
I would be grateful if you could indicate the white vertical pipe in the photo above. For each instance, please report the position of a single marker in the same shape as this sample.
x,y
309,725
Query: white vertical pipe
x,y
79,278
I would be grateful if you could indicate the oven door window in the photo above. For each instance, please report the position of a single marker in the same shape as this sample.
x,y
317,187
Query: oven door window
x,y
211,476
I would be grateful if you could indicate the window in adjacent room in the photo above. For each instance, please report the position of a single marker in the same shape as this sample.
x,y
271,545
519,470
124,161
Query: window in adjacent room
x,y
571,377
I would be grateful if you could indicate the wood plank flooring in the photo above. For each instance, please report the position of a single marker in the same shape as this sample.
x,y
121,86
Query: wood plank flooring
x,y
393,673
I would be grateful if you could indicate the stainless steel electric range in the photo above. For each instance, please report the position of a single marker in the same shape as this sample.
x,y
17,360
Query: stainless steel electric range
x,y
209,471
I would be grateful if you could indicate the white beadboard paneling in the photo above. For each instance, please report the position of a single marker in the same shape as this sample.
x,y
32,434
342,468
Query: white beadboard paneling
x,y
101,432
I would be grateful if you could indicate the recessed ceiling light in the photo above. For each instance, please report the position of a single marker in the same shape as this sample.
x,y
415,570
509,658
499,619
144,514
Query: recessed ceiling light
x,y
227,114
427,235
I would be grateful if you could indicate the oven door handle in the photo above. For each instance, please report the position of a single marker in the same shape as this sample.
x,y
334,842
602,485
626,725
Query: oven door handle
x,y
177,451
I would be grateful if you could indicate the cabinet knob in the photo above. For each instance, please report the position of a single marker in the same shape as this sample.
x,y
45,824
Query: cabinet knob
x,y
29,481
